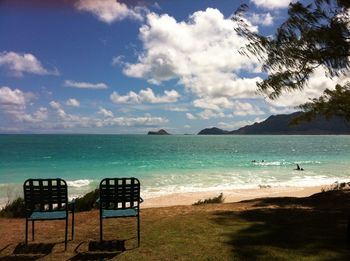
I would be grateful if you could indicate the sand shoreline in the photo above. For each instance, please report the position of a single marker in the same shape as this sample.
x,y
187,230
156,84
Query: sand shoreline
x,y
233,195
230,195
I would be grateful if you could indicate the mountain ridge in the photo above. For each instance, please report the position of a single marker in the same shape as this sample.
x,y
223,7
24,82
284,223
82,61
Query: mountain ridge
x,y
279,125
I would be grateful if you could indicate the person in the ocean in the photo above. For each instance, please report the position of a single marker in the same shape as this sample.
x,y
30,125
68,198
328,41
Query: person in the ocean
x,y
298,168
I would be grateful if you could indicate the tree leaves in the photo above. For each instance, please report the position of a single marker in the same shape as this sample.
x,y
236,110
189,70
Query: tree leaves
x,y
314,35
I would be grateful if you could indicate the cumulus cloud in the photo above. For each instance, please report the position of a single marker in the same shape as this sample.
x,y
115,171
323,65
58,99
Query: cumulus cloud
x,y
238,124
55,105
144,96
13,102
105,113
118,60
177,109
190,116
317,83
12,98
38,116
20,63
215,107
72,121
272,4
246,108
208,114
69,121
85,85
281,110
109,11
215,104
201,53
73,102
260,19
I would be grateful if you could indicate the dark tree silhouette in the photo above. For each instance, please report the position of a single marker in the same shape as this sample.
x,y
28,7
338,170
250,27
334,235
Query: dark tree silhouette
x,y
314,35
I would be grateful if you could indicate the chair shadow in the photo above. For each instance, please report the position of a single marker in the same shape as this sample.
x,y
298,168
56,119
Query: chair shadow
x,y
30,251
97,250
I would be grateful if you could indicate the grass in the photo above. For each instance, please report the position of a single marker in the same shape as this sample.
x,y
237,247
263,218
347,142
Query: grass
x,y
312,228
213,200
13,209
16,208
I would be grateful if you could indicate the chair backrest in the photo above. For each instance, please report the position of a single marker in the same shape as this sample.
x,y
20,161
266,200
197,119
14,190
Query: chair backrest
x,y
45,195
119,193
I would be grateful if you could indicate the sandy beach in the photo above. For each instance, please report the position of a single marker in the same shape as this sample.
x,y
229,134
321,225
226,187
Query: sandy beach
x,y
230,195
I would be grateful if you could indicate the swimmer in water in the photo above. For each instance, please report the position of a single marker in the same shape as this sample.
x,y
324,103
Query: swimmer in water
x,y
298,168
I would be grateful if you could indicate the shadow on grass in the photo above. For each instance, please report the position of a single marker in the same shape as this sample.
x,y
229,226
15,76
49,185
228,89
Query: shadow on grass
x,y
290,228
97,250
30,251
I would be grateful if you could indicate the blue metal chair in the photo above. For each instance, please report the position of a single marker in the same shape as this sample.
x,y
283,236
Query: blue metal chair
x,y
120,198
46,199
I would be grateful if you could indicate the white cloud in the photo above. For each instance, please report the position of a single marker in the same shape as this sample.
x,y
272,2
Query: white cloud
x,y
177,109
105,113
238,124
12,98
109,11
281,110
272,4
201,53
14,103
18,63
55,105
260,19
118,60
218,105
39,116
317,83
208,114
246,108
145,96
85,85
68,121
73,121
73,102
190,116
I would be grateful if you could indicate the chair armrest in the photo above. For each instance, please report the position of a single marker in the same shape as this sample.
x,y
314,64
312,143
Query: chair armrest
x,y
141,200
98,201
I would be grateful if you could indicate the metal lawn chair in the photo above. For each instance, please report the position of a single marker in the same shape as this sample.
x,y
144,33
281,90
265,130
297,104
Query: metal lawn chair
x,y
47,199
120,198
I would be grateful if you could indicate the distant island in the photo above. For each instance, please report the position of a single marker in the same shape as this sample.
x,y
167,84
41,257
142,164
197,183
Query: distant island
x,y
278,124
160,132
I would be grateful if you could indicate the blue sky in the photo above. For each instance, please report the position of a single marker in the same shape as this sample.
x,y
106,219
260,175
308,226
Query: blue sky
x,y
106,66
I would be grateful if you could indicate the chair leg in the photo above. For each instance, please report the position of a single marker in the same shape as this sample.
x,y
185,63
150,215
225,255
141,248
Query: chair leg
x,y
26,237
33,228
138,230
73,224
66,234
101,229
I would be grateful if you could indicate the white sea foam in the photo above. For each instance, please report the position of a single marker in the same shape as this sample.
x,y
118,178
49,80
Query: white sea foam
x,y
239,183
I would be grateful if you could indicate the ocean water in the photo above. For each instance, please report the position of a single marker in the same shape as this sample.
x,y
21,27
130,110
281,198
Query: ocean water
x,y
175,163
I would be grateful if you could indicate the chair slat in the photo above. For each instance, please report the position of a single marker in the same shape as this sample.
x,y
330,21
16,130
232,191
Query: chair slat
x,y
45,194
119,193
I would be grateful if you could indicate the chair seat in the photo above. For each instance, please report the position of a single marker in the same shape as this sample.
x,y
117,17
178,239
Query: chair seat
x,y
130,212
48,215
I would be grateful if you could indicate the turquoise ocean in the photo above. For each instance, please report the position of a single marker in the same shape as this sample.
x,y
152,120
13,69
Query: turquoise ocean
x,y
175,163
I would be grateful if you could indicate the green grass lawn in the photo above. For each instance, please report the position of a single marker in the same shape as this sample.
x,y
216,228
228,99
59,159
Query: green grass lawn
x,y
311,228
